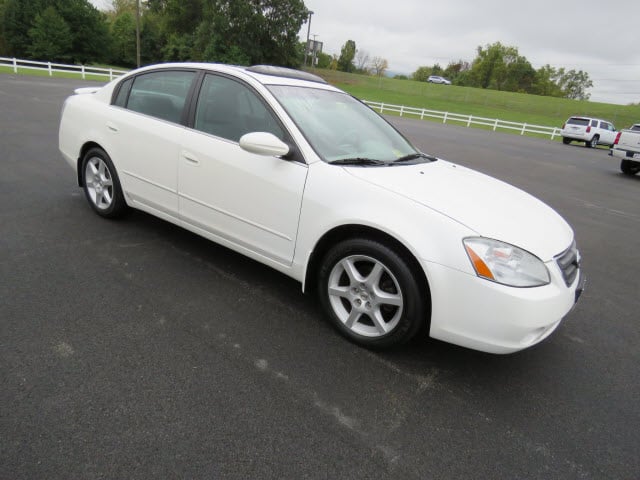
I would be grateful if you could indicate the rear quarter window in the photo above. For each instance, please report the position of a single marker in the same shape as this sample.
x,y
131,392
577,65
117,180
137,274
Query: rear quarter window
x,y
123,93
161,94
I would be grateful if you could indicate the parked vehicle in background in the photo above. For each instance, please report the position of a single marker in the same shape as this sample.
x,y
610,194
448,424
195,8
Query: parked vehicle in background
x,y
282,167
438,79
626,147
591,131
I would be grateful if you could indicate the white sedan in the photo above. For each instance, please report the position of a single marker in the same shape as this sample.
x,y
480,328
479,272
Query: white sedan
x,y
296,174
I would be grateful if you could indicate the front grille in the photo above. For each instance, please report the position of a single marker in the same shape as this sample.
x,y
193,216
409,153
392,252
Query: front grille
x,y
569,263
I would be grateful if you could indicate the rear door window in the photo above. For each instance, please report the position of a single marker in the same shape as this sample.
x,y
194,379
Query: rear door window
x,y
161,94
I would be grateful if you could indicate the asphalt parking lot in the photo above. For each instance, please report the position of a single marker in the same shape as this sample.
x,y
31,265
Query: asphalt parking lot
x,y
134,349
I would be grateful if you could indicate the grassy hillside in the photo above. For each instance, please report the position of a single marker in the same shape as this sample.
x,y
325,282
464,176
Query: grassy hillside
x,y
515,107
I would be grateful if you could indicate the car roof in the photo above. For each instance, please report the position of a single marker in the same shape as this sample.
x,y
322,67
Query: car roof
x,y
264,74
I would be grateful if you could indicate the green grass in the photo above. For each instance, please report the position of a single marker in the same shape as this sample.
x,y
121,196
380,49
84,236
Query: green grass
x,y
515,107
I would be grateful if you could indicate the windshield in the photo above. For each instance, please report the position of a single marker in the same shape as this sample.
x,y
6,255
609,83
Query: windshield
x,y
340,128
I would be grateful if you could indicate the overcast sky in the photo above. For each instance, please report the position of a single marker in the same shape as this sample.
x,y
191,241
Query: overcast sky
x,y
599,37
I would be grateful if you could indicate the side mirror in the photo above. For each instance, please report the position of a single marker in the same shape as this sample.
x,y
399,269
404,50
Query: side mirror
x,y
264,143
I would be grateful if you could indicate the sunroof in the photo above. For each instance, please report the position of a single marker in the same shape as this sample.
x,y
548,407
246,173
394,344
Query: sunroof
x,y
285,72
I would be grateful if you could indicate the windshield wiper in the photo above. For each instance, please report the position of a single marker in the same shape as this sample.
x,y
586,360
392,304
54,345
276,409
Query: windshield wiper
x,y
357,161
414,156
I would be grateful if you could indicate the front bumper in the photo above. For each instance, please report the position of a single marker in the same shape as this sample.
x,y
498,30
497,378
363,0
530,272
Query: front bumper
x,y
486,316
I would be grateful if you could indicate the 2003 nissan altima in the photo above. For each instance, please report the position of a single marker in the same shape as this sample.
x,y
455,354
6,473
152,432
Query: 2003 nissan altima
x,y
282,167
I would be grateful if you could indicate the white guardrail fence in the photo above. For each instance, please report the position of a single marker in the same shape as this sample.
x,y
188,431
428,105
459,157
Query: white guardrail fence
x,y
81,70
422,113
468,120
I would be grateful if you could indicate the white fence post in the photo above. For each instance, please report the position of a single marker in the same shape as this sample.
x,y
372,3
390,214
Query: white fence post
x,y
15,65
422,114
83,77
524,129
495,125
469,121
444,118
381,107
401,109
110,74
50,71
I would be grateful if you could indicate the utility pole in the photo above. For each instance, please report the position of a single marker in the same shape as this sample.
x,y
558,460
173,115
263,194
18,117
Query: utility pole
x,y
306,47
138,32
313,56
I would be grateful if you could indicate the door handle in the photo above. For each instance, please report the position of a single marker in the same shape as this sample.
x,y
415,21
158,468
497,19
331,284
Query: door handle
x,y
190,158
112,127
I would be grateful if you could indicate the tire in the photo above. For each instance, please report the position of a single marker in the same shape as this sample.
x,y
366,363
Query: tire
x,y
101,184
593,143
629,167
370,294
566,140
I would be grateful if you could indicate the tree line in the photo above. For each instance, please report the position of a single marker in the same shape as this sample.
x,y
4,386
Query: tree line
x,y
240,32
500,67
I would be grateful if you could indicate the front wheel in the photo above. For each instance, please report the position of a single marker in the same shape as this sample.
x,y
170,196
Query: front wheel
x,y
593,143
101,184
370,294
629,167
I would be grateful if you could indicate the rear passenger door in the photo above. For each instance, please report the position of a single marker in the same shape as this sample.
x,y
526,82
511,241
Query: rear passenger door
x,y
246,201
147,132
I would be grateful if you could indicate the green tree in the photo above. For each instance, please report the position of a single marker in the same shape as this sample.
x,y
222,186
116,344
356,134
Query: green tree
x,y
574,84
50,36
545,82
152,37
89,30
422,74
488,67
183,16
324,60
3,43
18,17
87,26
249,31
501,67
347,54
455,71
123,32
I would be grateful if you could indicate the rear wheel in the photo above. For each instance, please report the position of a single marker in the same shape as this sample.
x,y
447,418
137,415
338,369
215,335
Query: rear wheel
x,y
566,140
370,294
593,143
101,184
629,167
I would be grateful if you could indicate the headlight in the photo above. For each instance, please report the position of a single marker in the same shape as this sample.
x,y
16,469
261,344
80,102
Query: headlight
x,y
506,264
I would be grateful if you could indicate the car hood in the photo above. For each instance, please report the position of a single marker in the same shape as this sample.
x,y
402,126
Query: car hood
x,y
488,206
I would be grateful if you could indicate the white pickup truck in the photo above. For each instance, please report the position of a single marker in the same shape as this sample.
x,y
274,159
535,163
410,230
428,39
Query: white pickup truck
x,y
626,147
